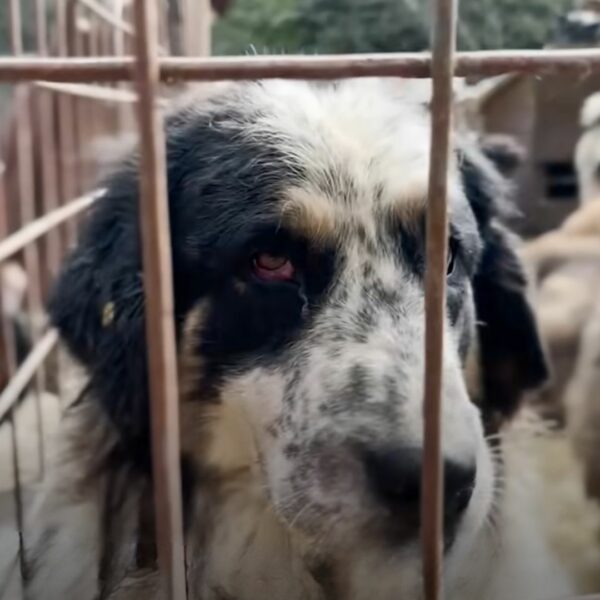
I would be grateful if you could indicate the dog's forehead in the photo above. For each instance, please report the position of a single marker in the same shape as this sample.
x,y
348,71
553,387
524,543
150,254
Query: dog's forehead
x,y
363,146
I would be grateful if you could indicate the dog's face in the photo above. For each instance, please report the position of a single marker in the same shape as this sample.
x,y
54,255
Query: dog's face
x,y
297,217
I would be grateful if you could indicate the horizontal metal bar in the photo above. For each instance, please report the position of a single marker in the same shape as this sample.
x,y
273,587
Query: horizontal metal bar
x,y
106,15
30,232
16,386
533,62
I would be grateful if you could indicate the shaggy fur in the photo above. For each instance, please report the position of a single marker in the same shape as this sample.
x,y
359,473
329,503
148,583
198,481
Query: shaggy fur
x,y
301,392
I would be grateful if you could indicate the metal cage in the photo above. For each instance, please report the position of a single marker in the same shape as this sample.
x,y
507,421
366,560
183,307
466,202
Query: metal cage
x,y
78,85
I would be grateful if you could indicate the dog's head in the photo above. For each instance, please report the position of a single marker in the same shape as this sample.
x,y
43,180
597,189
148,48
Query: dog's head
x,y
297,215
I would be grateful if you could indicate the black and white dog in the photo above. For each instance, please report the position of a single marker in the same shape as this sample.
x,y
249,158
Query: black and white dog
x,y
297,217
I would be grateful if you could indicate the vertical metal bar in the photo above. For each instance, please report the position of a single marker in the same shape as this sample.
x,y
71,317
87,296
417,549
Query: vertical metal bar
x,y
164,39
76,160
26,197
48,165
8,366
119,50
175,27
444,42
156,246
83,117
197,27
65,126
18,493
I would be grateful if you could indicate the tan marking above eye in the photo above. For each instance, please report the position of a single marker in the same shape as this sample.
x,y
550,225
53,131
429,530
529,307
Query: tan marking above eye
x,y
310,214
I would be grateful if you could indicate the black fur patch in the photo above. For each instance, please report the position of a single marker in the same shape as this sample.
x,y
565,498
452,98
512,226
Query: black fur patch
x,y
512,357
222,188
224,193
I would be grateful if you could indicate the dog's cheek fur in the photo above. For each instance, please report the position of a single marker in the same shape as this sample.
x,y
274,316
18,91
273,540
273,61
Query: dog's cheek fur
x,y
98,307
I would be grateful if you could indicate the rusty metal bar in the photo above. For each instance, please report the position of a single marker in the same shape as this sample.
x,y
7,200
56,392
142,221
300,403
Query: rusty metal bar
x,y
8,366
8,362
72,32
41,27
66,134
35,229
175,27
119,50
47,154
84,112
443,45
162,369
92,92
25,195
532,62
17,492
13,391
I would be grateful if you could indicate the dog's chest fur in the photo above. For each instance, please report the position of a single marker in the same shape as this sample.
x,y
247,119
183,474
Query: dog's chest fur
x,y
237,549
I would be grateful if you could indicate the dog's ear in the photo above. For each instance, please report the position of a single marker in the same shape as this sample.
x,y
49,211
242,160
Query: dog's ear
x,y
97,305
512,359
511,355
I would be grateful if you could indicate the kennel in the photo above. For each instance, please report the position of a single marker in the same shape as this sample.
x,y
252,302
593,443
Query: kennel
x,y
78,87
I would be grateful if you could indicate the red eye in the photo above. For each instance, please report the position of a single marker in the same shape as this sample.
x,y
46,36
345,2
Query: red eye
x,y
273,268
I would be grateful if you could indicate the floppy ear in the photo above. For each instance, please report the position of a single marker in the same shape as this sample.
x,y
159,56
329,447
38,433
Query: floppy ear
x,y
511,357
97,305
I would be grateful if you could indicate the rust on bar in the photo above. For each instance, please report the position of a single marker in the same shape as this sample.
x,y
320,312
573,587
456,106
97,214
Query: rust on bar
x,y
160,331
533,62
432,532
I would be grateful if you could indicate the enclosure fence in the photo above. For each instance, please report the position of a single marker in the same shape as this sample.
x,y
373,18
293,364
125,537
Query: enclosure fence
x,y
94,69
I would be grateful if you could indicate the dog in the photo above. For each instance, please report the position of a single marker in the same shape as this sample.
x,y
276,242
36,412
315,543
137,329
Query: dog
x,y
297,214
565,269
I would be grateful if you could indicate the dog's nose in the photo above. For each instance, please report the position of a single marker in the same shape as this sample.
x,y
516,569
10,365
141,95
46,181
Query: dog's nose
x,y
394,475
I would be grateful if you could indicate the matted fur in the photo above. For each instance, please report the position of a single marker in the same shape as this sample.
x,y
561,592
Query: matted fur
x,y
292,387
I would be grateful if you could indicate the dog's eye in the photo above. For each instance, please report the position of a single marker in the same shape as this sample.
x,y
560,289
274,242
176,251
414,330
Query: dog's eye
x,y
273,268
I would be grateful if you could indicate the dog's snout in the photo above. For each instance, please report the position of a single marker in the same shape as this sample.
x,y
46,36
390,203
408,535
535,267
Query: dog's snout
x,y
394,475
